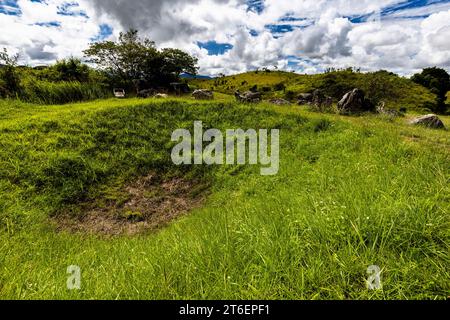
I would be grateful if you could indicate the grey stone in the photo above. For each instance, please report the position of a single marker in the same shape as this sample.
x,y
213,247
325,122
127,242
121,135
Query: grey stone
x,y
354,102
203,94
248,97
430,121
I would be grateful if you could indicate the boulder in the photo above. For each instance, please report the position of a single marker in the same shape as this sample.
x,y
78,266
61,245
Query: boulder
x,y
354,102
381,109
328,103
161,96
248,97
305,98
147,93
203,94
280,102
430,121
318,100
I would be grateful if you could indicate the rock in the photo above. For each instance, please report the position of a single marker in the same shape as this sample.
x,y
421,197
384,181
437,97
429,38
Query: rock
x,y
328,103
430,121
147,93
161,96
203,94
354,102
318,98
381,109
119,93
280,102
248,97
305,98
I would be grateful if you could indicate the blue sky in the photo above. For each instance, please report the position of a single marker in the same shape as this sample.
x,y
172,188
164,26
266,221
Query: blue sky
x,y
214,48
239,35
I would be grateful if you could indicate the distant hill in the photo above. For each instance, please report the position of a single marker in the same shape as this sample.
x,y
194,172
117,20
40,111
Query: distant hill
x,y
396,91
191,76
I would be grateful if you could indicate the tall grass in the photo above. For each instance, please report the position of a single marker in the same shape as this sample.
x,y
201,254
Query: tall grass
x,y
43,92
351,192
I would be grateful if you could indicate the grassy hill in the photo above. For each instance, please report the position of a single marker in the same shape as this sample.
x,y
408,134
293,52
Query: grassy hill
x,y
351,192
396,91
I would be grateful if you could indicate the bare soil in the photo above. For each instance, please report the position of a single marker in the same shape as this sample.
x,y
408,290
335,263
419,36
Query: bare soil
x,y
151,204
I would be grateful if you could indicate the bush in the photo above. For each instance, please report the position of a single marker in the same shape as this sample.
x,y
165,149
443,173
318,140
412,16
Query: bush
x,y
279,87
337,84
380,85
289,95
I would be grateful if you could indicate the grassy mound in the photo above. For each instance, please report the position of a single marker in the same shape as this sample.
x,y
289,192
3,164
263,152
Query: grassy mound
x,y
395,91
351,192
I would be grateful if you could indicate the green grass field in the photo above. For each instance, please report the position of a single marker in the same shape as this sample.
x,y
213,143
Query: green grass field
x,y
351,192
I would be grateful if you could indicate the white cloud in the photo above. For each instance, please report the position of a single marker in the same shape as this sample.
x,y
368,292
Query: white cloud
x,y
323,34
40,44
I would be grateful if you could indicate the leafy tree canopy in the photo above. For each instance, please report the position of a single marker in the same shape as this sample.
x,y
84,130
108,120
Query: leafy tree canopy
x,y
438,81
133,58
9,75
72,69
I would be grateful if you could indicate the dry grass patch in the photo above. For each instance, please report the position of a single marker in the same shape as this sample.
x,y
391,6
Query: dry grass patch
x,y
151,203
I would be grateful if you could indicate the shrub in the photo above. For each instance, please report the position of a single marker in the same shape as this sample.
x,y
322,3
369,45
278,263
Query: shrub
x,y
279,87
289,95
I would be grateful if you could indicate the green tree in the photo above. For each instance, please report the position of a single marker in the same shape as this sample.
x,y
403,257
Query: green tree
x,y
134,58
438,81
10,80
71,69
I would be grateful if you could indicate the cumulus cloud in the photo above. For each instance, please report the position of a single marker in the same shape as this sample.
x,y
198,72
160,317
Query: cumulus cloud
x,y
171,20
327,37
307,36
45,31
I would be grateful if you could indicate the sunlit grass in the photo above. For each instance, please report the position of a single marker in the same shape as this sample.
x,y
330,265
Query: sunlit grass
x,y
403,93
351,192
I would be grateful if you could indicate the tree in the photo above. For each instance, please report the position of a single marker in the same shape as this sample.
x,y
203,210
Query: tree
x,y
9,75
71,69
438,81
133,58
177,62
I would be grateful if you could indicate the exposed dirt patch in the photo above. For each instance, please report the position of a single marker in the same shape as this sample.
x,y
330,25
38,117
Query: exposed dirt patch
x,y
151,203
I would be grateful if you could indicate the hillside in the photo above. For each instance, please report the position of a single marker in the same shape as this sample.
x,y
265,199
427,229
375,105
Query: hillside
x,y
80,184
397,92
